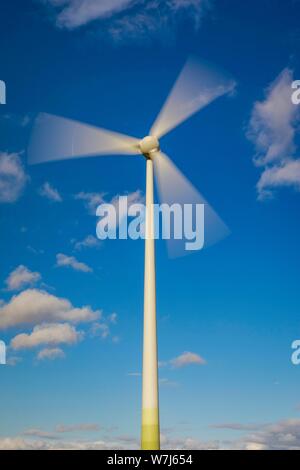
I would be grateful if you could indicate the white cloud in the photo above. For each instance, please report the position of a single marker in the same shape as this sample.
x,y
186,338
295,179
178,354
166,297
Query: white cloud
x,y
19,443
35,306
74,13
47,334
113,318
272,124
282,435
128,19
120,442
70,261
164,382
285,175
100,329
237,426
36,432
187,358
272,129
65,428
92,200
34,250
115,217
50,354
12,177
135,197
88,242
150,20
50,193
13,360
21,277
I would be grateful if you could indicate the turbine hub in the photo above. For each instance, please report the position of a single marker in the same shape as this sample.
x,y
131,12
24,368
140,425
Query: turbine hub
x,y
149,145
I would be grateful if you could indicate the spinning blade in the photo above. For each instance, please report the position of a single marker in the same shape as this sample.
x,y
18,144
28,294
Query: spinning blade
x,y
197,85
175,188
56,138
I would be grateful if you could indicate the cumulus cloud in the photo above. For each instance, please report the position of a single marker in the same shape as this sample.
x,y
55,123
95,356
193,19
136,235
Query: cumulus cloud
x,y
283,435
74,13
13,360
91,200
47,334
272,129
88,242
21,277
187,358
34,306
71,262
12,177
50,354
287,174
100,329
128,19
49,192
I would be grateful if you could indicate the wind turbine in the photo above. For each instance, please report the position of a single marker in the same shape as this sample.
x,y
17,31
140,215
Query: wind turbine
x,y
56,138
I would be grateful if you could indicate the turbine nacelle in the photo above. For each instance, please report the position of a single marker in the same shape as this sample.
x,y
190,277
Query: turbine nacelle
x,y
149,145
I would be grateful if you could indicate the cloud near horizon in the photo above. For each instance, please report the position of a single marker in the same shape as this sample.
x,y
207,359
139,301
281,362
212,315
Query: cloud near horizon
x,y
280,435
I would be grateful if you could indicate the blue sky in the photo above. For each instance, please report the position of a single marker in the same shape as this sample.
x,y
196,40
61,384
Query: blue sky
x,y
236,305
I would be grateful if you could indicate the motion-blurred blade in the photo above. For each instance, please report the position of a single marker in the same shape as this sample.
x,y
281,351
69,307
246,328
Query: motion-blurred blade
x,y
174,188
56,138
197,85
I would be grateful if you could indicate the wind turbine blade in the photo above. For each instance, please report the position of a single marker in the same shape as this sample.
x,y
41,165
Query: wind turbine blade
x,y
56,138
197,85
175,188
